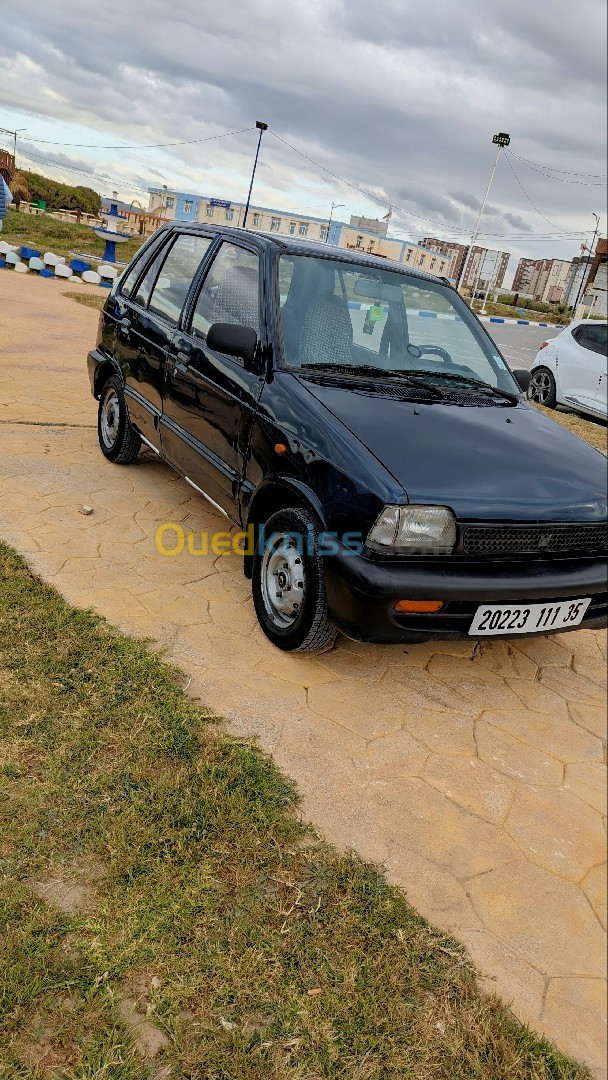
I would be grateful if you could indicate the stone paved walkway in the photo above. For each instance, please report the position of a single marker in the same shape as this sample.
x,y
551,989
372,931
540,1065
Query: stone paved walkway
x,y
477,777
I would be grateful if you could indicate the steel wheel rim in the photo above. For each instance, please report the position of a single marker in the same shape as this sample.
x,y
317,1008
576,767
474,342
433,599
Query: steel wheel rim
x,y
283,580
540,387
110,418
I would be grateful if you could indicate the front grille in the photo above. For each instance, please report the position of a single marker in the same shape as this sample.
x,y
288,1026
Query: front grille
x,y
535,539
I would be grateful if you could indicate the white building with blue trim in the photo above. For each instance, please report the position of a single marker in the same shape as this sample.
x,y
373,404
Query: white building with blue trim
x,y
183,206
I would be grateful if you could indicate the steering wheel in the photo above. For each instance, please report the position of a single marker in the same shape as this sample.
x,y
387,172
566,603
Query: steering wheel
x,y
436,350
408,356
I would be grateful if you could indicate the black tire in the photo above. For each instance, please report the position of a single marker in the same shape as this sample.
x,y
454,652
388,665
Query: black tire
x,y
305,628
118,439
542,388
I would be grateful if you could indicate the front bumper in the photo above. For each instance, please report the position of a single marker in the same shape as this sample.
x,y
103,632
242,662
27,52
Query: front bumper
x,y
361,592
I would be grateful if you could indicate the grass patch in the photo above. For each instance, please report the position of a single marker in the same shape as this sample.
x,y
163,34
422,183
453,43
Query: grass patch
x,y
45,233
507,311
594,433
265,953
93,300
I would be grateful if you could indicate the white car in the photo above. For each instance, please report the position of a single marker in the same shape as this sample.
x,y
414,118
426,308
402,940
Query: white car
x,y
571,369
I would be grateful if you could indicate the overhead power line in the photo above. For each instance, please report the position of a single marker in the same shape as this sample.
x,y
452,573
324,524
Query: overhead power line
x,y
532,204
561,179
139,146
552,168
419,217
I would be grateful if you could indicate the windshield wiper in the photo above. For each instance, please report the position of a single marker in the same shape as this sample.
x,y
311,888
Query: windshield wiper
x,y
467,380
376,372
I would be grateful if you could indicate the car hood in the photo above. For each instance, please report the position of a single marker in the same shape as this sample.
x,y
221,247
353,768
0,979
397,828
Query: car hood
x,y
485,462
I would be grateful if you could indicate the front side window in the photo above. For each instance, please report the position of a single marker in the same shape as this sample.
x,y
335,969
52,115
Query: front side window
x,y
178,269
336,313
275,224
230,293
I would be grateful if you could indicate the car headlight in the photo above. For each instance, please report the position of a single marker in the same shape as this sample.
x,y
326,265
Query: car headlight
x,y
416,530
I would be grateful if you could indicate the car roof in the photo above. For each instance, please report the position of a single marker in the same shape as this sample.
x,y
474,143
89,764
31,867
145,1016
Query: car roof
x,y
293,245
579,322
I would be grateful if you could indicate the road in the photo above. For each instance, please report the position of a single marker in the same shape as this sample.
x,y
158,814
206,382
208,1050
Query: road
x,y
520,344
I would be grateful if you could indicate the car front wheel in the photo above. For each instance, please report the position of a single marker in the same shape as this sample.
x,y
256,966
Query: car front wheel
x,y
118,439
542,388
289,585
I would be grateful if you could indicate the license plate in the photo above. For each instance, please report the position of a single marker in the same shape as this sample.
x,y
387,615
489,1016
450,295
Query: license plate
x,y
495,619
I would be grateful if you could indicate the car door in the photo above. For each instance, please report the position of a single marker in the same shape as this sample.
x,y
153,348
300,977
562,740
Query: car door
x,y
210,398
579,367
155,310
127,344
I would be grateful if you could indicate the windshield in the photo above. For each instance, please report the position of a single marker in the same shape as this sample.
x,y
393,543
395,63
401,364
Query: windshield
x,y
343,315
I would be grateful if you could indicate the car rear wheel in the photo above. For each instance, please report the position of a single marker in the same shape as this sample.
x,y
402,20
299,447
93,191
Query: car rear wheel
x,y
542,388
289,585
118,439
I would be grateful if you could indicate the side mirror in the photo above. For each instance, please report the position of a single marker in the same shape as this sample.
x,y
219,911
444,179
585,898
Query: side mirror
x,y
522,378
239,341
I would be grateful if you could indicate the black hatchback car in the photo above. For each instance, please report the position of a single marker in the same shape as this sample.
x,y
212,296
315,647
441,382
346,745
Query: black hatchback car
x,y
358,421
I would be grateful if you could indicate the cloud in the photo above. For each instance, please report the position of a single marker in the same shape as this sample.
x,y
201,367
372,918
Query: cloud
x,y
399,99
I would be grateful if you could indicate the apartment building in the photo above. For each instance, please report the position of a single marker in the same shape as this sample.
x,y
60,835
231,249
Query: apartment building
x,y
457,253
485,266
576,281
359,234
545,280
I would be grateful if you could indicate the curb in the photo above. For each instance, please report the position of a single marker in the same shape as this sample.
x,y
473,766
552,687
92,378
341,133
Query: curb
x,y
457,318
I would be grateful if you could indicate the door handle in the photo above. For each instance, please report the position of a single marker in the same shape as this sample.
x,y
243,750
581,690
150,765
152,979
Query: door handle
x,y
125,326
183,358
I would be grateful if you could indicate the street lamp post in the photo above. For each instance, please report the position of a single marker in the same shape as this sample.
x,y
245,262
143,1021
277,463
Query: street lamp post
x,y
501,140
586,268
261,128
334,206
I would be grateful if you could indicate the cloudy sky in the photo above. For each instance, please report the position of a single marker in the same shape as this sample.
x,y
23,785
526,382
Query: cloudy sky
x,y
398,98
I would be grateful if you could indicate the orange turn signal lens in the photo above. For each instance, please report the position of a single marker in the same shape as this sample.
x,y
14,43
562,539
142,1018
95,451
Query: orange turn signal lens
x,y
418,607
280,448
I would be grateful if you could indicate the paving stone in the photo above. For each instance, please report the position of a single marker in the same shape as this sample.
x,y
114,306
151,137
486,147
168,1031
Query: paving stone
x,y
396,755
366,713
557,831
513,978
473,683
303,670
418,691
446,732
592,718
515,759
538,697
472,784
594,888
578,1006
557,734
588,781
504,659
573,687
553,650
431,888
545,920
430,825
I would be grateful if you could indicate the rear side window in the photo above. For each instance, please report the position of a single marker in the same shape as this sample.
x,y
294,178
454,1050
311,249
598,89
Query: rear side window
x,y
146,284
230,293
593,338
173,282
127,282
